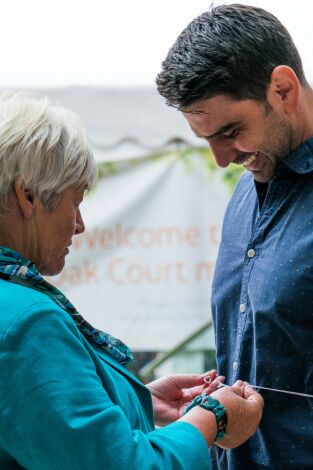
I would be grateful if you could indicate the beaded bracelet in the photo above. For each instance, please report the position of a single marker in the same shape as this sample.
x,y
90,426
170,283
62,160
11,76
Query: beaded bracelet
x,y
211,404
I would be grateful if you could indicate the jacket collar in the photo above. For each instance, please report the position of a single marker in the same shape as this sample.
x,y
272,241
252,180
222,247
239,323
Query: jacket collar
x,y
301,159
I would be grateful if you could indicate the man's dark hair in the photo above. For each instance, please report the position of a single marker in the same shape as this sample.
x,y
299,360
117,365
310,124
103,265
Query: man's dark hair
x,y
231,50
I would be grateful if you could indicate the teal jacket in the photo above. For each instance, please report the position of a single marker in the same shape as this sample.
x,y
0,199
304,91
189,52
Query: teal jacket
x,y
67,405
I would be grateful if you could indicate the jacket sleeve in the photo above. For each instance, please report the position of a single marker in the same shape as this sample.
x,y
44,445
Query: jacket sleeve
x,y
55,413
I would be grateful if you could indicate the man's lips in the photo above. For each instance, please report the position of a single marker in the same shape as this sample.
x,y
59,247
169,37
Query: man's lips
x,y
251,161
245,158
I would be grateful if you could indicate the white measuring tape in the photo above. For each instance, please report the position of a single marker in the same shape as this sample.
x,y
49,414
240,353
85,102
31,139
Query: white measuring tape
x,y
305,395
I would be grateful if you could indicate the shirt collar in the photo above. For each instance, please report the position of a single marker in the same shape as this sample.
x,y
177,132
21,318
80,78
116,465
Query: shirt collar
x,y
301,159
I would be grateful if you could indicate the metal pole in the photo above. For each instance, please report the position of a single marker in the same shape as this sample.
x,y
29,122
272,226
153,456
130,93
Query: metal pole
x,y
147,371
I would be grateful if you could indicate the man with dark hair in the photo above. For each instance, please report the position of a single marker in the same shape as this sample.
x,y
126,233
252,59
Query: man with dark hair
x,y
237,76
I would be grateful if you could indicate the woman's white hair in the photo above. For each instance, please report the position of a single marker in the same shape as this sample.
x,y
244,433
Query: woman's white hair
x,y
45,146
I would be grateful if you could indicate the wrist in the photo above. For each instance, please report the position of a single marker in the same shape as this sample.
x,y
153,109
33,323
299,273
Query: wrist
x,y
211,404
204,421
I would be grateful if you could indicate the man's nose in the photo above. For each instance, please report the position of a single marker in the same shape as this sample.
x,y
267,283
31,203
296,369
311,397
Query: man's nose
x,y
223,152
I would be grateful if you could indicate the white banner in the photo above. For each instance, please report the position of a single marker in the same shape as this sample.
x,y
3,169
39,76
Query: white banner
x,y
142,270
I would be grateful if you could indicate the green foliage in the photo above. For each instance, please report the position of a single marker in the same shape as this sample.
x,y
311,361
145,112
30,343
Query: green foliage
x,y
106,169
229,175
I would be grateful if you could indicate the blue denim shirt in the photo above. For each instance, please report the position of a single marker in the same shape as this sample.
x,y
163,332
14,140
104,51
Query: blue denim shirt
x,y
262,306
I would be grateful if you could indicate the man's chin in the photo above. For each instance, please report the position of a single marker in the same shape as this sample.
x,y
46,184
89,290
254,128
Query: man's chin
x,y
262,177
262,173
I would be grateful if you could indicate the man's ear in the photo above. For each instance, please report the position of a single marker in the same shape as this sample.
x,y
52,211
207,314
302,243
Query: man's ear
x,y
284,89
25,199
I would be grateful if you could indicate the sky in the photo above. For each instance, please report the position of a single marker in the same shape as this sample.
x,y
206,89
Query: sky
x,y
116,43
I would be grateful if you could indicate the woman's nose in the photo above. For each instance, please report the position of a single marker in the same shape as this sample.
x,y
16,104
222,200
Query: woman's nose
x,y
80,226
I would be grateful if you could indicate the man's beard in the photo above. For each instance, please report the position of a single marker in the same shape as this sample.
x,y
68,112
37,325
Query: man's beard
x,y
279,140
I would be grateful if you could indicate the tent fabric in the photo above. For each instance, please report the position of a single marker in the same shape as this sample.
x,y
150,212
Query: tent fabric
x,y
125,123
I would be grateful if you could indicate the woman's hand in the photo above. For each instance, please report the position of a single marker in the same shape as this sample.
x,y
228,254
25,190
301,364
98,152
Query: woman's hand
x,y
244,410
172,393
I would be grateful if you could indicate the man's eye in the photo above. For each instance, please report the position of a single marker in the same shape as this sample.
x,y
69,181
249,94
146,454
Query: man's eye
x,y
231,134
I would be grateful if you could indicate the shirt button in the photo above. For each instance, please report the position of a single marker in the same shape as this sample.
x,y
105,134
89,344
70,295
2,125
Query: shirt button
x,y
251,253
235,365
242,308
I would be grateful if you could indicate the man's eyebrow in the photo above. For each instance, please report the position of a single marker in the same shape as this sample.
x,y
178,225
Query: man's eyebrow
x,y
220,131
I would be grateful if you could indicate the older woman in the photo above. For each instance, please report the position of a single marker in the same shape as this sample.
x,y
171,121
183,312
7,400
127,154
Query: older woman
x,y
66,399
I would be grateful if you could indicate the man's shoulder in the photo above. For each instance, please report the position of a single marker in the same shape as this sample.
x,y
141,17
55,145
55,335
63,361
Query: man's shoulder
x,y
245,188
245,180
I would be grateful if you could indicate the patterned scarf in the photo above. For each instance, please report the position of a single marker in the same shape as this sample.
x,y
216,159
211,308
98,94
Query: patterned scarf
x,y
14,266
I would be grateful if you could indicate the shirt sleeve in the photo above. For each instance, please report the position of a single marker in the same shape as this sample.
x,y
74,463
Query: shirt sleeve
x,y
56,414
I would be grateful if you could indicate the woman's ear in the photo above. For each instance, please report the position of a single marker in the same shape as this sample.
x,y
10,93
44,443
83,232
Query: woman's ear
x,y
284,89
25,199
